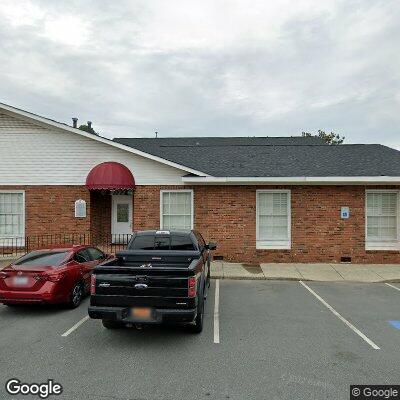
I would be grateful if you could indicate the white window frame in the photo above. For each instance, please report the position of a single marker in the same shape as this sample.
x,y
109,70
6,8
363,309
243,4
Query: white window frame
x,y
5,243
177,191
382,244
262,244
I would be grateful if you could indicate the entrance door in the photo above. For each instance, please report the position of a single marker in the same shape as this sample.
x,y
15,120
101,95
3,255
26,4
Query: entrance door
x,y
121,217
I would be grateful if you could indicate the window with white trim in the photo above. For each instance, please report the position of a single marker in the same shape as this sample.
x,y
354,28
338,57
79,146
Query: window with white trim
x,y
381,219
273,219
176,209
12,214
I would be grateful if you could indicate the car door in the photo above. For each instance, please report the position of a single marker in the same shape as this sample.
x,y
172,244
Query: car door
x,y
85,265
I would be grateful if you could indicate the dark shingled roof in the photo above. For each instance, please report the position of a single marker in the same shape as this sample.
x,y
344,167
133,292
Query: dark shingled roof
x,y
272,156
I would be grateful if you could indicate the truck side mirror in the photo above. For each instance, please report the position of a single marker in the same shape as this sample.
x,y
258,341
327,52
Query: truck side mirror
x,y
212,246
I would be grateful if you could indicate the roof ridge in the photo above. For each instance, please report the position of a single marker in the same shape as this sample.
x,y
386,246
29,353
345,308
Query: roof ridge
x,y
222,137
274,145
251,145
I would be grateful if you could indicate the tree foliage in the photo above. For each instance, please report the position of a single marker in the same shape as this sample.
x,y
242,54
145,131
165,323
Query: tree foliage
x,y
329,138
87,129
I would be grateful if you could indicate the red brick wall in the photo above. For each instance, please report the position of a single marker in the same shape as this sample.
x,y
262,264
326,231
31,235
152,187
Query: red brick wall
x,y
51,209
227,215
146,206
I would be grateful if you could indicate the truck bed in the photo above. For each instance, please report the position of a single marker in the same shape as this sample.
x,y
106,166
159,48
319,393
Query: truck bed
x,y
164,274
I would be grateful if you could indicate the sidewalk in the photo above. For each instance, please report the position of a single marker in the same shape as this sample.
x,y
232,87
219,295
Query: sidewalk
x,y
308,272
4,262
303,272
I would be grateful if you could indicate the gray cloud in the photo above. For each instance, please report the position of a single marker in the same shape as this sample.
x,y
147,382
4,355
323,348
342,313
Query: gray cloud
x,y
207,68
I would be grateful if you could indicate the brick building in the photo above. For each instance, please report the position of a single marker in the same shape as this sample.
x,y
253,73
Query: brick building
x,y
288,199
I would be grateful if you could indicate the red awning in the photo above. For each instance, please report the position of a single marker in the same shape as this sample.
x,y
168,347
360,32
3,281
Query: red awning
x,y
110,176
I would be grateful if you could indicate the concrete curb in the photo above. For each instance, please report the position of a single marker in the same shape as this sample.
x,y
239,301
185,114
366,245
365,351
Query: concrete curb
x,y
360,273
245,278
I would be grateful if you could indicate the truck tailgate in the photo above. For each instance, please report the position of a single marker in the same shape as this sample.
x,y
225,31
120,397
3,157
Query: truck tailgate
x,y
133,286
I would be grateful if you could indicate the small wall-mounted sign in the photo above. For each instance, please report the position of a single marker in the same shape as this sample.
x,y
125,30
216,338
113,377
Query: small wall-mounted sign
x,y
345,212
80,208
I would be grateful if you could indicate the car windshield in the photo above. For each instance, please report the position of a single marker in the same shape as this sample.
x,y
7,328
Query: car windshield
x,y
38,258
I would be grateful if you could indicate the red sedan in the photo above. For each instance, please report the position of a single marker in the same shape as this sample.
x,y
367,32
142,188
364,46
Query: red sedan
x,y
59,275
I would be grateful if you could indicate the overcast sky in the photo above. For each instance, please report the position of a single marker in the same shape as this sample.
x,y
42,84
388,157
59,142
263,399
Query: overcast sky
x,y
209,67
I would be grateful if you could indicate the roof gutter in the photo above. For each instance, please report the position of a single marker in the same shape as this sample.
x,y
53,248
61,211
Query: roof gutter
x,y
294,180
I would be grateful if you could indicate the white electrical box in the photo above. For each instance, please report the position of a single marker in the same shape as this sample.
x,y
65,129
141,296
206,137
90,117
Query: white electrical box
x,y
80,208
345,212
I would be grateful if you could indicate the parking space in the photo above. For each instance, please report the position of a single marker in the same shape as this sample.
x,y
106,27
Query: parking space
x,y
26,325
370,308
276,340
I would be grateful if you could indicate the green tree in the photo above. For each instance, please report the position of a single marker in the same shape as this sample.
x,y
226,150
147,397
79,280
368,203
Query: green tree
x,y
87,128
330,138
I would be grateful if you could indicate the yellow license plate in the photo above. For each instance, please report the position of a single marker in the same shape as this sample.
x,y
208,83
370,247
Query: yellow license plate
x,y
141,313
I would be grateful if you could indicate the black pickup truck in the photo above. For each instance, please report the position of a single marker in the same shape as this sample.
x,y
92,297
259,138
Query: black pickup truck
x,y
163,276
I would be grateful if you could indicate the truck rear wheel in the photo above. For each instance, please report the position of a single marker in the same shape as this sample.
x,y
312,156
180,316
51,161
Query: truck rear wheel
x,y
197,327
111,324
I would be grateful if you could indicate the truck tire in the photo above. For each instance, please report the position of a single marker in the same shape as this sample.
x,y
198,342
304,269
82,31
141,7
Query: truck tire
x,y
111,324
197,326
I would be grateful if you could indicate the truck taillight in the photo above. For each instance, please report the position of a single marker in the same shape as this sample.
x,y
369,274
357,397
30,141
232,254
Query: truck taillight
x,y
93,284
192,286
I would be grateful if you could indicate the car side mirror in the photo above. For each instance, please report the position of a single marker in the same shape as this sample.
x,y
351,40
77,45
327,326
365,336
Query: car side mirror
x,y
212,246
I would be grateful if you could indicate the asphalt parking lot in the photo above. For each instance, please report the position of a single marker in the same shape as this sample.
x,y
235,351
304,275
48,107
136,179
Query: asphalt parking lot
x,y
262,340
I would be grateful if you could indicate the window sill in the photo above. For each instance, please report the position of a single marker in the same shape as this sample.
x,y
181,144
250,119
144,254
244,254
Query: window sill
x,y
382,246
262,245
11,236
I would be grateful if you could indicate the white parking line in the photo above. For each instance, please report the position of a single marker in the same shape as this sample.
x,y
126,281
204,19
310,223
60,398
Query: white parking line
x,y
216,312
392,286
76,326
349,324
